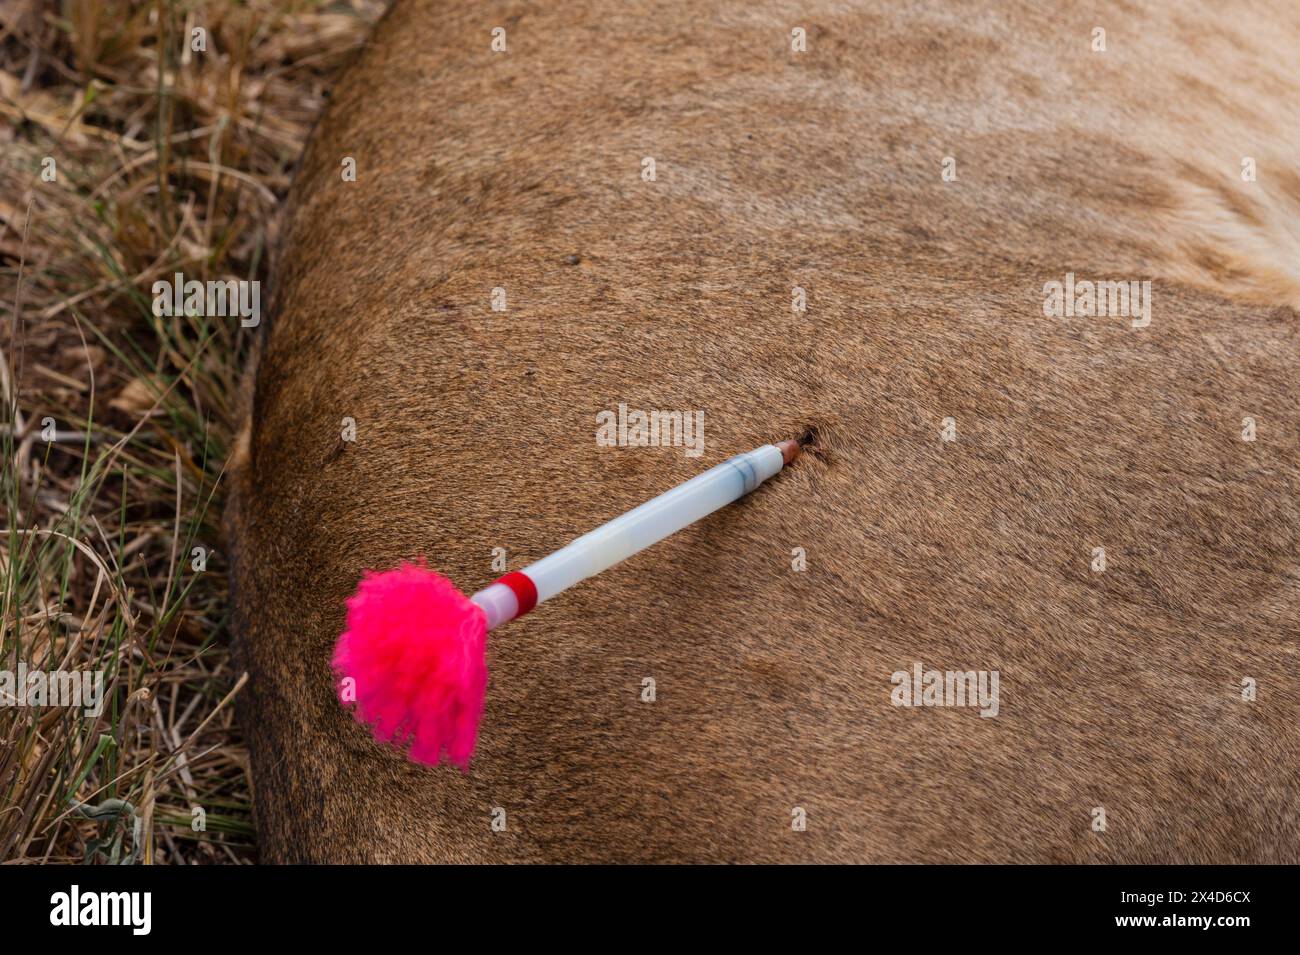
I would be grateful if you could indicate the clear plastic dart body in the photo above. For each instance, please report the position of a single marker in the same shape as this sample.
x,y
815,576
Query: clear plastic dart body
x,y
640,527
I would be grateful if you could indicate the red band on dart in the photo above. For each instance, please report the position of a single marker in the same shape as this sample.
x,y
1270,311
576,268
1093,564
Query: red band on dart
x,y
524,588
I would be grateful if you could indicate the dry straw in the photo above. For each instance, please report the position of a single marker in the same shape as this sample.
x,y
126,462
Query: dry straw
x,y
115,422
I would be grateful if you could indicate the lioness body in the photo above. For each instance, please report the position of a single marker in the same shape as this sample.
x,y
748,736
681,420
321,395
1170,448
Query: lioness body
x,y
962,544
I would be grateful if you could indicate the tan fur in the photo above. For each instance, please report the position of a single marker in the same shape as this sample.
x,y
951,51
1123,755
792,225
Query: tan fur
x,y
476,430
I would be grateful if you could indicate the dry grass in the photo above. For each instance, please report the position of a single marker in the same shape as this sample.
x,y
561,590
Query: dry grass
x,y
116,423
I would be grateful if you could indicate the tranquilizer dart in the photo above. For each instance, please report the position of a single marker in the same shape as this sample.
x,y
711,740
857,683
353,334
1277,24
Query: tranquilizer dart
x,y
413,659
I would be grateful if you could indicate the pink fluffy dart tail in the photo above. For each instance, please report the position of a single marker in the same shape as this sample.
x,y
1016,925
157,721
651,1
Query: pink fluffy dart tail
x,y
413,659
